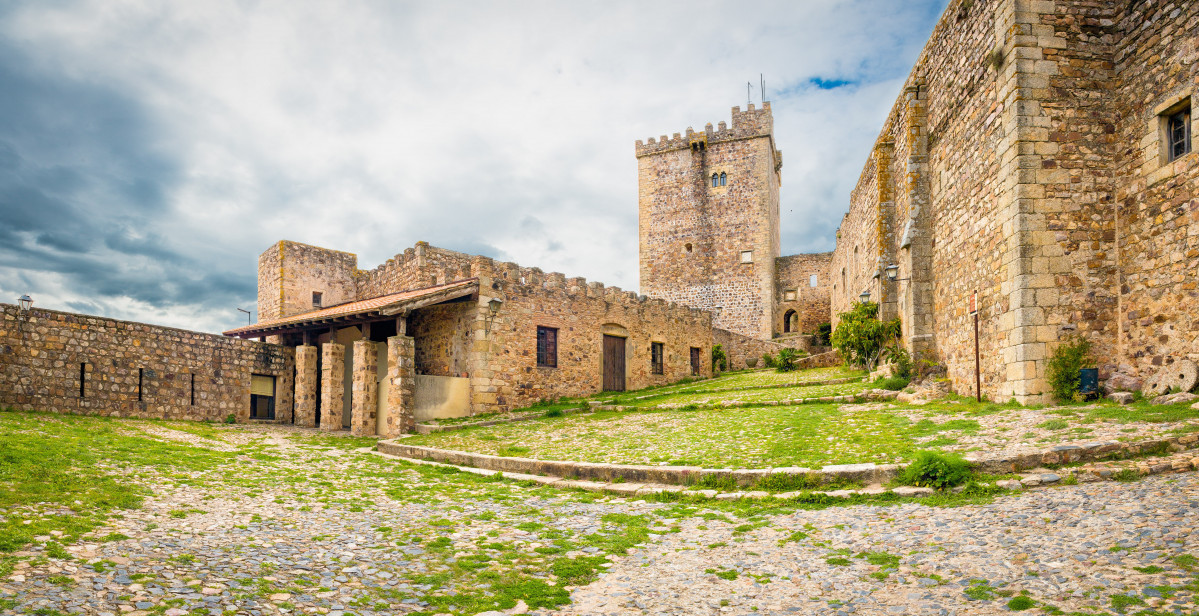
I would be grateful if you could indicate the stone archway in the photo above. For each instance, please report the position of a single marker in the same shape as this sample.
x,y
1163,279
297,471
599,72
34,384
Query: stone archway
x,y
790,322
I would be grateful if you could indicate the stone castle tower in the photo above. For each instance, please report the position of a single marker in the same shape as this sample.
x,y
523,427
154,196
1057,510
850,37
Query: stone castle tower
x,y
708,211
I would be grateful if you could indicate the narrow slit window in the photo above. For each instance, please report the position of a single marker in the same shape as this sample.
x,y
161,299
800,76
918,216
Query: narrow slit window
x,y
547,347
82,378
657,361
141,373
192,398
722,179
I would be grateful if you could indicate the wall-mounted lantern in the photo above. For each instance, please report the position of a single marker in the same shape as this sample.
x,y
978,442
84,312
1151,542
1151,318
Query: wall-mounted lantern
x,y
865,296
892,272
493,309
24,304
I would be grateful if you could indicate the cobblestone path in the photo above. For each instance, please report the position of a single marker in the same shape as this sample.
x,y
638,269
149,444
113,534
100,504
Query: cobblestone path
x,y
297,526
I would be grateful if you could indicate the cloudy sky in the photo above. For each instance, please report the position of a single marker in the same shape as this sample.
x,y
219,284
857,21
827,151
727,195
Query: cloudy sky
x,y
149,151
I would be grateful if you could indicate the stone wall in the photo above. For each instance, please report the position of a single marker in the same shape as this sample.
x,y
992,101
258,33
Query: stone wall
x,y
738,348
443,338
1156,63
793,275
42,355
692,235
1024,163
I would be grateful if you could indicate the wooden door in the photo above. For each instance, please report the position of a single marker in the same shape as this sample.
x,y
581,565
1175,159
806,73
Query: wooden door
x,y
613,363
695,359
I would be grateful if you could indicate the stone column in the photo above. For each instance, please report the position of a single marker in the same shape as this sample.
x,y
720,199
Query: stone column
x,y
364,401
401,391
306,386
333,356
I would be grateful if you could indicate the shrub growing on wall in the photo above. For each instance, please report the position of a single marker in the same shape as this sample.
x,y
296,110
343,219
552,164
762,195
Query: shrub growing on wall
x,y
1062,371
861,336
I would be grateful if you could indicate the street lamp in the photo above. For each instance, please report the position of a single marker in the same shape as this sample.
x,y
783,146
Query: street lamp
x,y
25,303
865,296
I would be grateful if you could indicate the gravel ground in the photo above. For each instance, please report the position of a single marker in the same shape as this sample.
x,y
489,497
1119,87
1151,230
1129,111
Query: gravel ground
x,y
307,529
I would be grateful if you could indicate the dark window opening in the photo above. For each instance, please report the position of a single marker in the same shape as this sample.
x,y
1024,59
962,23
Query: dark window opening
x,y
262,396
193,391
687,247
657,362
695,367
1178,133
722,179
82,378
140,379
316,299
547,347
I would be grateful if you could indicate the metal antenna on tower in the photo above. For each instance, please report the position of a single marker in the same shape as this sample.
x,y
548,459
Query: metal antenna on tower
x,y
763,90
749,100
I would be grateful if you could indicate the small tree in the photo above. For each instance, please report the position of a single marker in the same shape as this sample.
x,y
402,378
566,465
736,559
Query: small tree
x,y
861,337
823,332
720,361
786,360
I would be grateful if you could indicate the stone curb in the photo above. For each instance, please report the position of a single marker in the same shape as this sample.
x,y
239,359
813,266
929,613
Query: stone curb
x,y
869,395
1175,463
850,379
867,473
431,428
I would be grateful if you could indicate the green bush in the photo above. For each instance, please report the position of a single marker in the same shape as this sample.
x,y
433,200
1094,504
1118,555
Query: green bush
x,y
768,361
904,366
934,469
720,361
823,332
861,337
231,419
1062,371
786,360
554,413
894,383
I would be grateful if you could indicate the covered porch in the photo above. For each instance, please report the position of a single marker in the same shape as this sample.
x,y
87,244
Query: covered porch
x,y
356,363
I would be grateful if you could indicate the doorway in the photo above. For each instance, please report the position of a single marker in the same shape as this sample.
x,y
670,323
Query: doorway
x,y
614,366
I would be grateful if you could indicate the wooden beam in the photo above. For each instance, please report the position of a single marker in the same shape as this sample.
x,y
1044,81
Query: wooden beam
x,y
366,330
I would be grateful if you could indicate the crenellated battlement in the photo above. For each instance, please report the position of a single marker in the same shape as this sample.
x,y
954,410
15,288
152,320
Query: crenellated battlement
x,y
745,125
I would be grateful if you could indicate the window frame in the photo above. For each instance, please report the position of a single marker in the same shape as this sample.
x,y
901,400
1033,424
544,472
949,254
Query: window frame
x,y
1181,113
657,357
269,411
318,299
715,179
547,346
813,281
723,178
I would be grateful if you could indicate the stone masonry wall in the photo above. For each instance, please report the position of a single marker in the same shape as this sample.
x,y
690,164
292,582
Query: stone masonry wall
x,y
443,338
1156,63
793,274
692,234
506,374
41,357
738,348
289,272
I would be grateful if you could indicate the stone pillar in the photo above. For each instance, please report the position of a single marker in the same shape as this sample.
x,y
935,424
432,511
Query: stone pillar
x,y
333,356
306,377
364,400
401,391
915,245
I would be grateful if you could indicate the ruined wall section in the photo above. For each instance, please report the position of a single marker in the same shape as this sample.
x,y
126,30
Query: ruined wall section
x,y
41,356
506,374
289,272
416,268
692,235
792,279
1157,212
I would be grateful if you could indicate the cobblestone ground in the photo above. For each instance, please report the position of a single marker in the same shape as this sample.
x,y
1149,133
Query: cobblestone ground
x,y
299,523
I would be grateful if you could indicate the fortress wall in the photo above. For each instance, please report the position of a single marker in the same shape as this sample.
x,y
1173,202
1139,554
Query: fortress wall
x,y
41,357
1156,64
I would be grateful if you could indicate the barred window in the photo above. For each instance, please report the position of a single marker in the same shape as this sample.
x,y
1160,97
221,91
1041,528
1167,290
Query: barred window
x,y
657,363
547,347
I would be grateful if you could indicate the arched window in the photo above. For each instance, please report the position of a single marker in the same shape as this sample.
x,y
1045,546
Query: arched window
x,y
790,322
715,180
722,179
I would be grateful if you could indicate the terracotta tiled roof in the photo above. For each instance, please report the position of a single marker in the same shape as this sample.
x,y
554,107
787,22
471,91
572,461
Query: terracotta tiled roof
x,y
384,304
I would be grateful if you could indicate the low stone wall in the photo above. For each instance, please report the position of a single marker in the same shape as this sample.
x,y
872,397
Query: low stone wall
x,y
74,363
823,360
738,348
